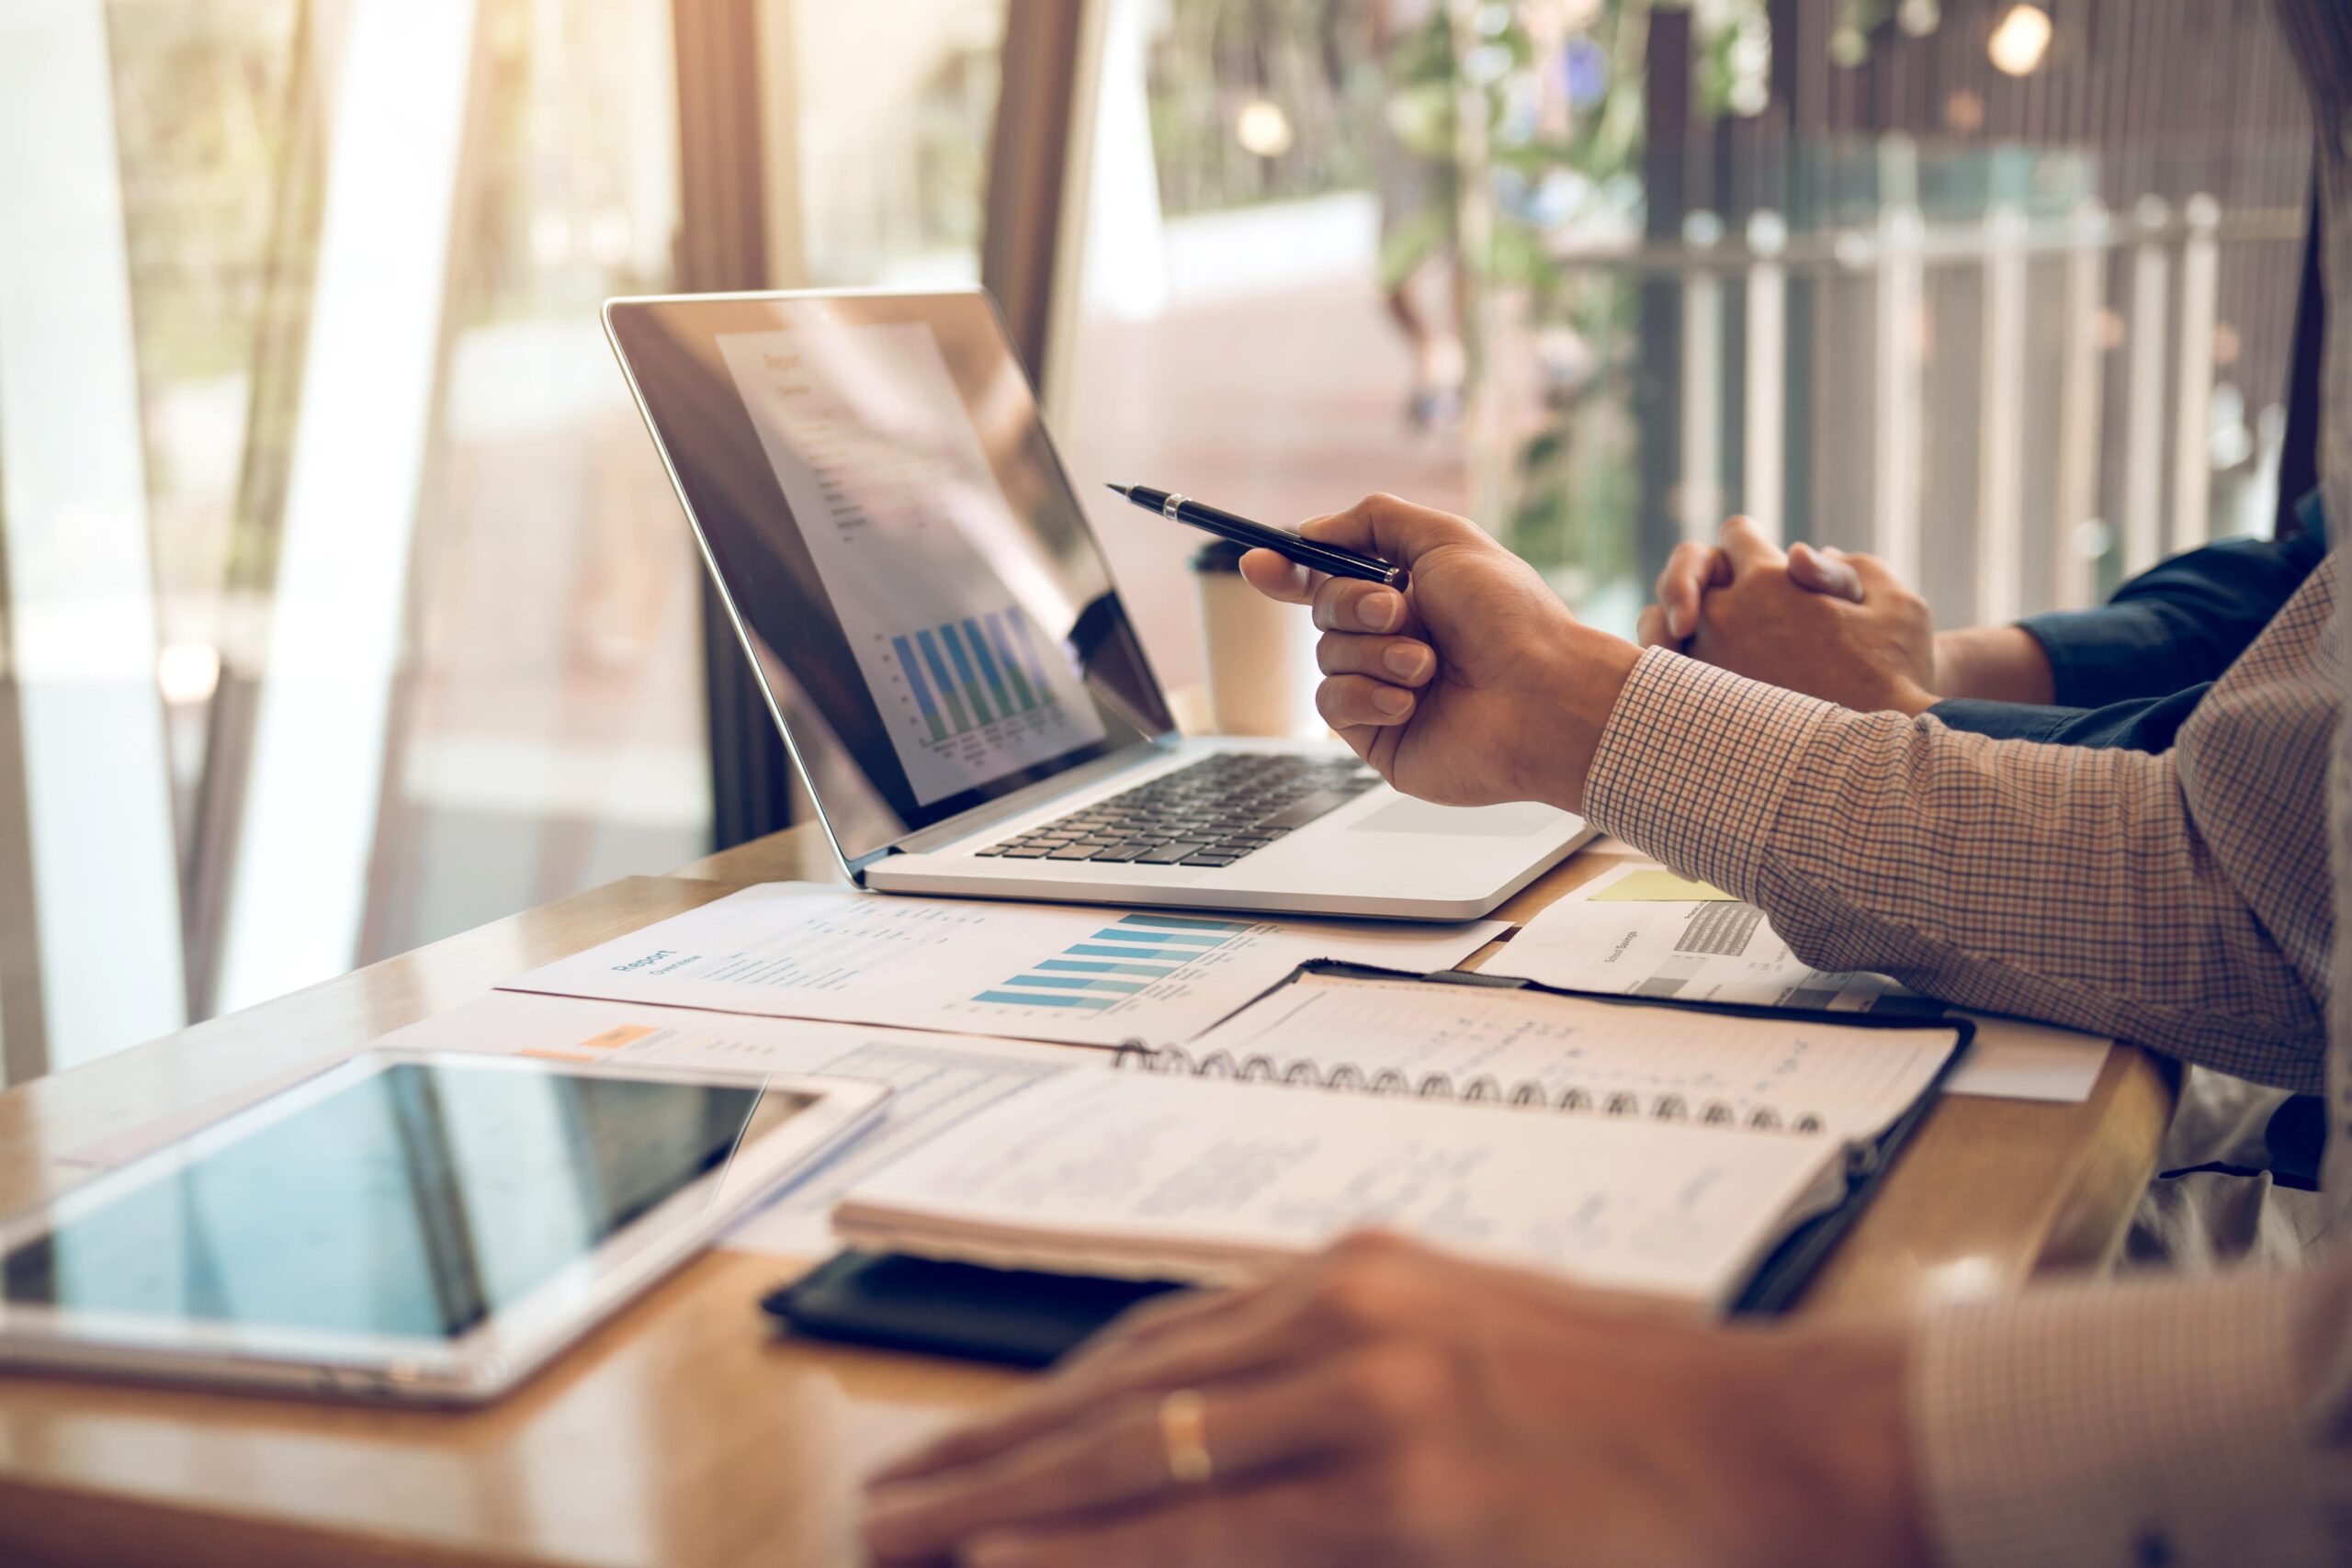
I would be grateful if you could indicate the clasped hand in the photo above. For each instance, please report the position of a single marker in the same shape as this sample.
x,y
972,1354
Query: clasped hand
x,y
1837,627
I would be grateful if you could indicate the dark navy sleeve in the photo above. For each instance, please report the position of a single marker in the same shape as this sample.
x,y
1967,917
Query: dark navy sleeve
x,y
2179,623
2145,723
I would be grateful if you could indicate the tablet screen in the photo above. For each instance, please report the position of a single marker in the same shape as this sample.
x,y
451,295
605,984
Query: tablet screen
x,y
414,1201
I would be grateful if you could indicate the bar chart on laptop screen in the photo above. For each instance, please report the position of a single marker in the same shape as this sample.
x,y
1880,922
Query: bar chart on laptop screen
x,y
965,675
887,481
1115,963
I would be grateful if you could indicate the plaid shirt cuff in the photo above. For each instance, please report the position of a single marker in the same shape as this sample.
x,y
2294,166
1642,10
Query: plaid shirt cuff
x,y
2120,1425
1692,765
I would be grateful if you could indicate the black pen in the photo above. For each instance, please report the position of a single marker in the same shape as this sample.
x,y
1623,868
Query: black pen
x,y
1331,559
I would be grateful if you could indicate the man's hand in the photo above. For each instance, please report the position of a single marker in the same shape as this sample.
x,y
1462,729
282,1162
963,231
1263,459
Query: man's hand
x,y
1832,625
1391,1405
2002,664
1693,569
1474,686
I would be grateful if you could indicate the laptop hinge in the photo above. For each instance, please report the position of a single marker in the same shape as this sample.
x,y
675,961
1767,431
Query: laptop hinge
x,y
857,866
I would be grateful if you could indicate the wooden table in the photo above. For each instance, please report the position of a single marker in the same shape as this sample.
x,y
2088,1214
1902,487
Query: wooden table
x,y
681,1433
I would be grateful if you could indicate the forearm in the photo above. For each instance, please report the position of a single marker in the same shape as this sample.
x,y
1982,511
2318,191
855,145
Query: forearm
x,y
1997,664
1550,761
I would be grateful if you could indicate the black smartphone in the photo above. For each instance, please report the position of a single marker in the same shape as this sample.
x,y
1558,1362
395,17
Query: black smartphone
x,y
1008,1315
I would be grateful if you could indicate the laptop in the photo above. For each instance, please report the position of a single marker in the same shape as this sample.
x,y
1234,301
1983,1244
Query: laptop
x,y
933,627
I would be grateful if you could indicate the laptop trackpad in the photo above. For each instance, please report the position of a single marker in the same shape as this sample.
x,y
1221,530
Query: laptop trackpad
x,y
1519,820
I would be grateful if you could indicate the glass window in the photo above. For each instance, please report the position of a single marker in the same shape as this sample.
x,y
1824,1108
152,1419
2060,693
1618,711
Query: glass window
x,y
1268,308
549,734
346,604
886,132
208,113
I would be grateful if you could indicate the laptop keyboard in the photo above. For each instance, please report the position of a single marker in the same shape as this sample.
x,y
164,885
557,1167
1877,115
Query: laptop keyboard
x,y
1212,812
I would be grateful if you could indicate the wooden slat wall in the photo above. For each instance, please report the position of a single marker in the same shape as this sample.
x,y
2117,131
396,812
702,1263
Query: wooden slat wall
x,y
2162,98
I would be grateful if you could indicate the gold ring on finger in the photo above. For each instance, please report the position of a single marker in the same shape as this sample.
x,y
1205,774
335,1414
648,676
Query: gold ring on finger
x,y
1184,1432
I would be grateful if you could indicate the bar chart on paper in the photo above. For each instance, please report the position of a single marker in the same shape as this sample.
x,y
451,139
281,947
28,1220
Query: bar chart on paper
x,y
1116,963
1056,972
968,674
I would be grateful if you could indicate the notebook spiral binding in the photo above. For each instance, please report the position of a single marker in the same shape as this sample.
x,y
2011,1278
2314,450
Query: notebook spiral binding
x,y
1134,1055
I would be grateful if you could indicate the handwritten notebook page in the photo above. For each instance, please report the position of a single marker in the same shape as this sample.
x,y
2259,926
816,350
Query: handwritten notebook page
x,y
1646,1060
1190,1178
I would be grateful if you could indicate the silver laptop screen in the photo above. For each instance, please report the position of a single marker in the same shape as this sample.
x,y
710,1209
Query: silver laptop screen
x,y
888,521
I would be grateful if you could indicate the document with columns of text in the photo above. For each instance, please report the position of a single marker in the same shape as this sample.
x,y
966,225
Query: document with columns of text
x,y
1643,931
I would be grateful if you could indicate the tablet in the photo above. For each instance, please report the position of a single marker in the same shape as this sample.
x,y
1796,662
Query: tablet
x,y
422,1227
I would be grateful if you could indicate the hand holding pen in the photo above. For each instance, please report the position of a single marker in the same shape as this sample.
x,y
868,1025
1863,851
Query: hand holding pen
x,y
1473,687
1332,560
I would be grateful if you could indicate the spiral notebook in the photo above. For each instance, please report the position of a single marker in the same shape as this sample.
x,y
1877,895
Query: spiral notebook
x,y
1701,1155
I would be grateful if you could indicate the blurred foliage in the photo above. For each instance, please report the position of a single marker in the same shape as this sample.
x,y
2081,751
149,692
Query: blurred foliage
x,y
1559,87
1375,102
1375,93
957,117
551,229
221,118
206,107
201,123
1314,60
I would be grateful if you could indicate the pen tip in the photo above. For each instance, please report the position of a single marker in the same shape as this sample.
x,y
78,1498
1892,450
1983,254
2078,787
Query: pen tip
x,y
1121,489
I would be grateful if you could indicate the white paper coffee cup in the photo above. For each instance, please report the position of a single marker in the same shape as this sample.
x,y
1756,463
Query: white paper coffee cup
x,y
1260,654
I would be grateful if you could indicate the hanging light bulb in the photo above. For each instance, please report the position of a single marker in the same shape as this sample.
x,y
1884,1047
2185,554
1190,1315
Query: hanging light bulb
x,y
1263,128
187,673
2022,41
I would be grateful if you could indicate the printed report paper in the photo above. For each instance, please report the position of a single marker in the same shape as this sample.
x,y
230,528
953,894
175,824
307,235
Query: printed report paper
x,y
1618,934
1643,931
1067,973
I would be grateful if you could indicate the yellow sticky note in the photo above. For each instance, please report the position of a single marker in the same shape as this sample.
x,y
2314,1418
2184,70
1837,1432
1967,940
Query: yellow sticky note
x,y
1659,887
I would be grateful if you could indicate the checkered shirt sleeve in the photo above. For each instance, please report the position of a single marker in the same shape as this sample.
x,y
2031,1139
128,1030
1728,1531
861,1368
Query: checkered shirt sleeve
x,y
2180,900
2183,901
2179,1421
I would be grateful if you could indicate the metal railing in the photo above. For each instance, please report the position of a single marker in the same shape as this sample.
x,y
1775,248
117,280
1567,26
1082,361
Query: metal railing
x,y
2013,406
